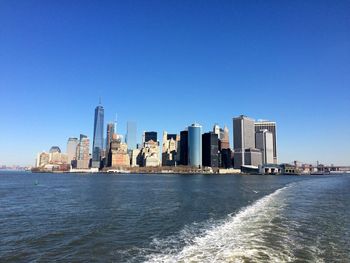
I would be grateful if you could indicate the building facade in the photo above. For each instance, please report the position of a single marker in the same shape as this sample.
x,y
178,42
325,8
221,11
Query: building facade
x,y
131,135
243,138
83,152
271,127
210,149
195,145
264,142
72,145
183,158
109,138
224,139
118,154
149,154
169,149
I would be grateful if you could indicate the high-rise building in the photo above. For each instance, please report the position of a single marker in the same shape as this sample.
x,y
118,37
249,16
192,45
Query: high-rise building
x,y
72,149
109,138
151,135
135,158
149,154
216,130
243,138
271,127
83,154
226,158
183,148
224,139
169,149
97,145
243,132
42,159
131,135
264,142
118,154
210,149
195,145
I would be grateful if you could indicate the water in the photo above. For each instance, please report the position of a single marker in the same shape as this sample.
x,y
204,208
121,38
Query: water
x,y
173,218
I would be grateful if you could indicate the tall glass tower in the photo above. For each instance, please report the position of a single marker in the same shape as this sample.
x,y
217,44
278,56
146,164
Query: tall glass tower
x,y
131,132
97,145
195,145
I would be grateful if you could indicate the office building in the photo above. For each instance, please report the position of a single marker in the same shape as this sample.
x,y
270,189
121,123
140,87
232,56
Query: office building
x,y
135,158
118,154
42,159
216,130
149,154
169,149
183,149
83,152
97,145
195,145
131,135
271,127
72,145
224,139
243,138
264,142
210,149
226,158
109,138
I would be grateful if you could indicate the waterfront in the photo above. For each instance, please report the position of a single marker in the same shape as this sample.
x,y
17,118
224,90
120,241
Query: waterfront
x,y
172,218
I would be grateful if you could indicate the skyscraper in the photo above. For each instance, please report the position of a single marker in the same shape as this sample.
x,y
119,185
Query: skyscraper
x,y
264,142
131,135
109,138
195,145
224,139
184,148
243,139
97,145
210,149
83,155
271,127
72,149
169,149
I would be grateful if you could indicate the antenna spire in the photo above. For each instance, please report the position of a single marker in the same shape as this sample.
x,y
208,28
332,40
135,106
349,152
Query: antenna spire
x,y
99,100
115,122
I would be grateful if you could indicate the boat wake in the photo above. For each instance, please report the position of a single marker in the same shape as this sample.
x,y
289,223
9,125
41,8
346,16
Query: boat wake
x,y
254,234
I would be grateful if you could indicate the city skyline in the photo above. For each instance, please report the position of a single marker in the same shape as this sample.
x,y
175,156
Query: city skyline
x,y
166,65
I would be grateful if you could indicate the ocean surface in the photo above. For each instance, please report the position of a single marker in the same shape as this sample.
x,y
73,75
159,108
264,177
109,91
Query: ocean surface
x,y
173,218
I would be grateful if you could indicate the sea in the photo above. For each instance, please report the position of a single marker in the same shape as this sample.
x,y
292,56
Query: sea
x,y
173,218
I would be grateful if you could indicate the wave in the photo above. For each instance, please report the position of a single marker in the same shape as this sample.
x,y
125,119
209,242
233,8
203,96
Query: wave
x,y
256,233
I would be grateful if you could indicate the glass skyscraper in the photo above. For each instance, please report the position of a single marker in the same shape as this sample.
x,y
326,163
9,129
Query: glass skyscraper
x,y
131,132
195,145
97,145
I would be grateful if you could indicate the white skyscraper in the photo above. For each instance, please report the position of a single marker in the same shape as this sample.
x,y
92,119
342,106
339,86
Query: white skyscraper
x,y
264,142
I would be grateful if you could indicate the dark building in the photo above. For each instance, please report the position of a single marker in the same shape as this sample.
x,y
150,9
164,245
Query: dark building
x,y
226,158
151,135
184,148
171,136
210,149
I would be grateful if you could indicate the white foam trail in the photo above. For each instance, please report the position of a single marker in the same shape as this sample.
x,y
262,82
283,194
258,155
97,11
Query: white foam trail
x,y
239,238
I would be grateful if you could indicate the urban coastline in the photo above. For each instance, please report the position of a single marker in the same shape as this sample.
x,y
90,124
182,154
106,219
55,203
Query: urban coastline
x,y
189,152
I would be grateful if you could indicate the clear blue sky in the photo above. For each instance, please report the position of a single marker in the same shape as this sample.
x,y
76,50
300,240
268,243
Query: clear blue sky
x,y
166,64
